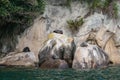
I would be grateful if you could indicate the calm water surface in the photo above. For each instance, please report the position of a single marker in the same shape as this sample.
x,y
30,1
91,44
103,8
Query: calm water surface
x,y
111,73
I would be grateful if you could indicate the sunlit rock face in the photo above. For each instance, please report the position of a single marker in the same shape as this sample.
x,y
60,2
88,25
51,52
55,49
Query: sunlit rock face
x,y
26,59
58,46
33,37
105,39
89,56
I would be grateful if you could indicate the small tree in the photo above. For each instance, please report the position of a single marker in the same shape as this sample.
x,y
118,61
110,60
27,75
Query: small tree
x,y
74,25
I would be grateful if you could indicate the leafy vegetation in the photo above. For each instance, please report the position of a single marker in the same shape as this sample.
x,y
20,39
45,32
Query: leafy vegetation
x,y
15,17
19,11
74,25
68,3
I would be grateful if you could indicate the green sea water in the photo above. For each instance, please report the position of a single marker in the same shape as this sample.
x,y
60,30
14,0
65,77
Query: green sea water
x,y
111,73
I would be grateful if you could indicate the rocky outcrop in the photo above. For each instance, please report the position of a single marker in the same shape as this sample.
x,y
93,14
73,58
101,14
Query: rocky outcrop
x,y
58,46
89,56
26,59
105,40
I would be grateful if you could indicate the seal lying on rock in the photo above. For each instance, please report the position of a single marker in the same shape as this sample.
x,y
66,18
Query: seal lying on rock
x,y
58,46
58,31
26,49
90,56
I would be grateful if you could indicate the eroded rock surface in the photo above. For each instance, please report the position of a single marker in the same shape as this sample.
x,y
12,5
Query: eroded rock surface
x,y
19,59
91,56
57,47
105,40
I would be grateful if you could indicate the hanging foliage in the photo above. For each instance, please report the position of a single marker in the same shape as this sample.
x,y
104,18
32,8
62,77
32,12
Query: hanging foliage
x,y
15,17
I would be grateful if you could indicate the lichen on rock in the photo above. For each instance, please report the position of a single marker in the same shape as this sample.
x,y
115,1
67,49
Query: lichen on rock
x,y
58,46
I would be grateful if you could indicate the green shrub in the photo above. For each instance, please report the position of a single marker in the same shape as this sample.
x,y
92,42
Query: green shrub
x,y
74,25
68,3
115,9
20,11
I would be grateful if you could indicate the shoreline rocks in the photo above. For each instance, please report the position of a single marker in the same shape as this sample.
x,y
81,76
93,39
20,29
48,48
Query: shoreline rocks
x,y
90,56
58,46
105,40
60,52
19,59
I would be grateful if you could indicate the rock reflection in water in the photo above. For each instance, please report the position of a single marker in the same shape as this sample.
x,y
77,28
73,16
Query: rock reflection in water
x,y
111,73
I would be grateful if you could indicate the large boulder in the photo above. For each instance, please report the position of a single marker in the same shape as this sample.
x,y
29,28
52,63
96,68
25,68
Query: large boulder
x,y
105,40
26,59
89,56
58,46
